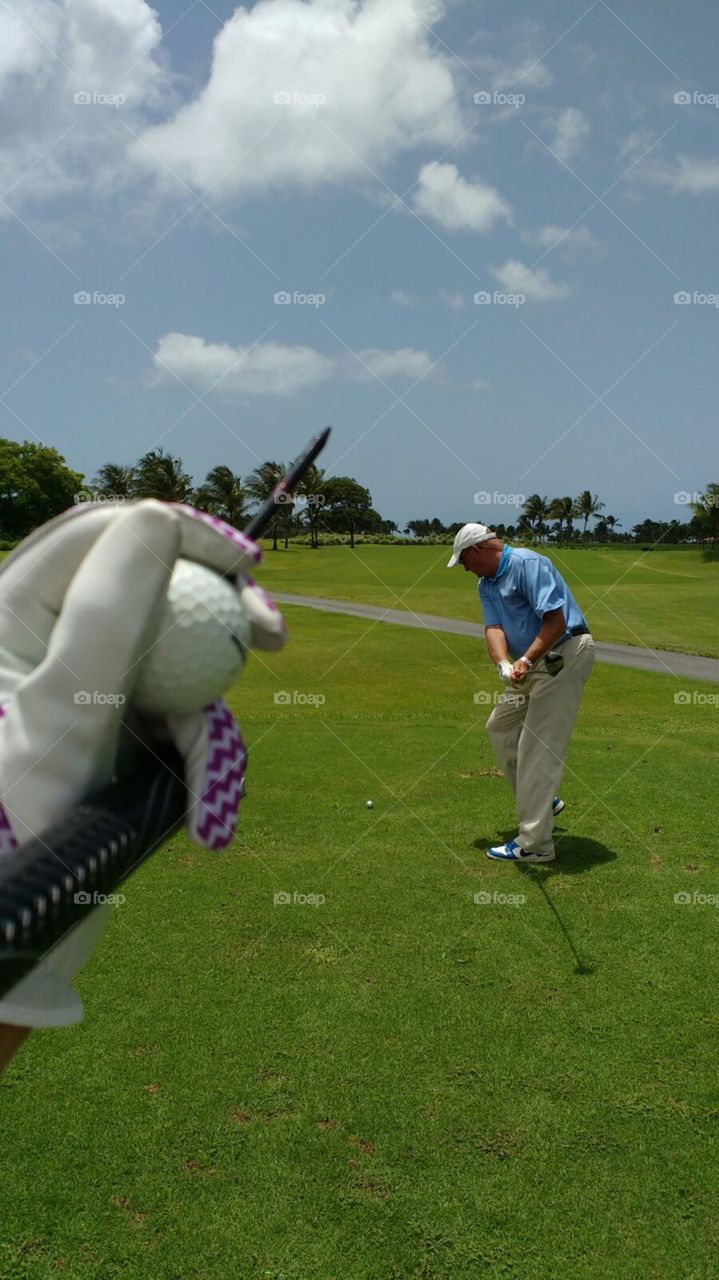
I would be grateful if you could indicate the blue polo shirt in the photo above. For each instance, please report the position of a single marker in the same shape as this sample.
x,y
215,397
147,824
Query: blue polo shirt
x,y
524,588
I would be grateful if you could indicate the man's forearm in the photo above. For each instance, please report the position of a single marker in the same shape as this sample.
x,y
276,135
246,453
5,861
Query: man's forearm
x,y
496,644
553,626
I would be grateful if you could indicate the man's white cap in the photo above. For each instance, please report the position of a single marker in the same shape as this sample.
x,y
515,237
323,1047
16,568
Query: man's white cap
x,y
468,536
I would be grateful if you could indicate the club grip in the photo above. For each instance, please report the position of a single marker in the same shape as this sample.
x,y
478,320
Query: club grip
x,y
46,887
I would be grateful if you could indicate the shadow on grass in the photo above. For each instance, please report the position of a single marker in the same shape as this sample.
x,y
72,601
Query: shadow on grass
x,y
574,854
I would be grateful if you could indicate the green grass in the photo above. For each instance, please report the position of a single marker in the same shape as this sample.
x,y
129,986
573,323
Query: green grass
x,y
663,599
399,1083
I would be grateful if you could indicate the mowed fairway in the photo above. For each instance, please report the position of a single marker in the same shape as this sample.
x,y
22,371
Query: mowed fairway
x,y
662,599
398,1081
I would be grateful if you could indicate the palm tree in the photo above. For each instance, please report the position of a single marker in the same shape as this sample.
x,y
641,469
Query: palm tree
x,y
261,485
562,510
161,476
313,490
223,494
523,527
587,505
706,512
114,481
536,510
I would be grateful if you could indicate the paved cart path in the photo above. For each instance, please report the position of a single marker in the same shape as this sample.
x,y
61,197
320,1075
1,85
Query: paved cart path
x,y
620,655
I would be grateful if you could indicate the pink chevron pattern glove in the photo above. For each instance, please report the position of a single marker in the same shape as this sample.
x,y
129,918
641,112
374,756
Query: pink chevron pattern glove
x,y
7,839
215,758
246,545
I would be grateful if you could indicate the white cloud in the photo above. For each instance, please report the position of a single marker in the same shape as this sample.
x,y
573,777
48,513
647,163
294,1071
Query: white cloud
x,y
561,238
267,368
270,368
687,174
364,80
453,300
384,87
402,298
445,197
406,362
51,50
536,285
693,175
571,130
635,144
521,67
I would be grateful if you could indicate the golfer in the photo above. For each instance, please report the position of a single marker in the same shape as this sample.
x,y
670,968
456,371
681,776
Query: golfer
x,y
528,611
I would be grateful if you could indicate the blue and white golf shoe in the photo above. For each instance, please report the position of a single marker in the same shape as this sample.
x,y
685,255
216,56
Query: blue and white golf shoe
x,y
513,852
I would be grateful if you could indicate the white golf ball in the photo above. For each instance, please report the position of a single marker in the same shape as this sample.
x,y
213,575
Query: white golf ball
x,y
201,641
369,804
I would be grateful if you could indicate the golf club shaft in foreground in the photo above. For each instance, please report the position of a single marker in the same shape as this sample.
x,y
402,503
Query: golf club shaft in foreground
x,y
267,512
47,886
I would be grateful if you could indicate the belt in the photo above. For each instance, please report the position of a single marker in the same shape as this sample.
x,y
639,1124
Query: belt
x,y
573,631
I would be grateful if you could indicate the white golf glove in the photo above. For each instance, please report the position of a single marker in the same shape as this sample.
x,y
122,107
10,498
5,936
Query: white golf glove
x,y
78,601
504,670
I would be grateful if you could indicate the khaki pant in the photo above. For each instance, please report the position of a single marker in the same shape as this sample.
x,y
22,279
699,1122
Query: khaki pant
x,y
530,734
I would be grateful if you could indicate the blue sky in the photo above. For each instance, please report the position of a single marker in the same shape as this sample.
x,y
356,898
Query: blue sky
x,y
335,152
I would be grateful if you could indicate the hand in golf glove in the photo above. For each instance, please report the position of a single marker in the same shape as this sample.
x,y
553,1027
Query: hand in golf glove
x,y
78,602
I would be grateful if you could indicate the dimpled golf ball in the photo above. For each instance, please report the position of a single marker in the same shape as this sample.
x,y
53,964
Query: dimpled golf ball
x,y
201,641
369,804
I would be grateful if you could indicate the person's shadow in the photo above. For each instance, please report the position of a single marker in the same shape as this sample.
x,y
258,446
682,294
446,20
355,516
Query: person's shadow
x,y
574,855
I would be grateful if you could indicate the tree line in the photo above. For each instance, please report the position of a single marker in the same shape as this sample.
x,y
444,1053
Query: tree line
x,y
566,520
36,484
337,503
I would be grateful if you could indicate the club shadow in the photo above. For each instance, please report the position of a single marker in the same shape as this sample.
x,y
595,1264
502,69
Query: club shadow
x,y
574,854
